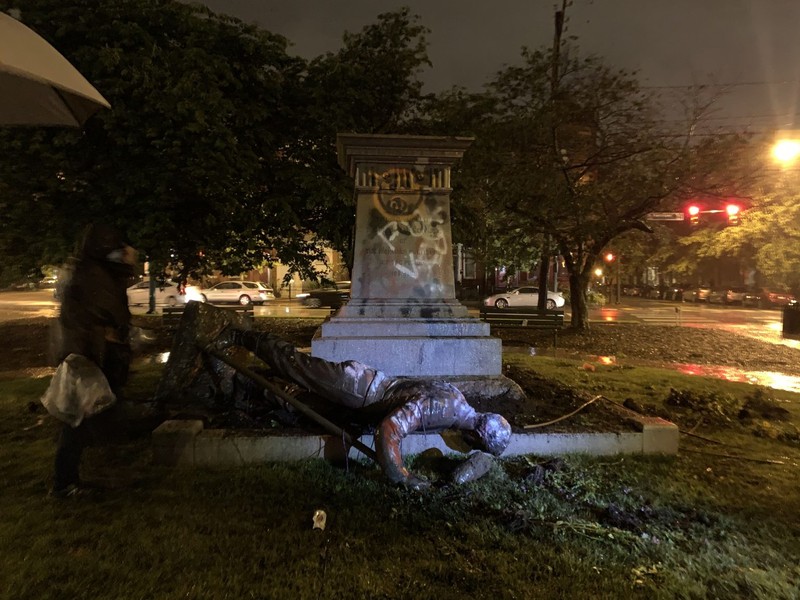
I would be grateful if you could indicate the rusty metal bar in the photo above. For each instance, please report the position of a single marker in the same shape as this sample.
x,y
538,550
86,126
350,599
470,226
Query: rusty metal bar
x,y
314,416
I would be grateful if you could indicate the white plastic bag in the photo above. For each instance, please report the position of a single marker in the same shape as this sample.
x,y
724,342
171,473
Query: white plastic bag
x,y
78,390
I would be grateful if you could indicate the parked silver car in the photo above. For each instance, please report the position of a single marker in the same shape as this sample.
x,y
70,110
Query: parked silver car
x,y
524,296
697,294
167,293
735,295
237,292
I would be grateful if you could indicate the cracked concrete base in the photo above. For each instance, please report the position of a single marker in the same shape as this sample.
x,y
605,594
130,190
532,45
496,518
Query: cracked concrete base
x,y
187,443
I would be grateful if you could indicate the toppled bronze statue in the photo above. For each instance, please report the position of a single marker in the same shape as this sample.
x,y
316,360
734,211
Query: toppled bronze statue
x,y
399,405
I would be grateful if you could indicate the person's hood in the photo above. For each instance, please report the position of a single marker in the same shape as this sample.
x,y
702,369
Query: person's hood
x,y
100,240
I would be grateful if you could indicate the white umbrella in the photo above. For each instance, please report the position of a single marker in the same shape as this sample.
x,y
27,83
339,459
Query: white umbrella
x,y
38,86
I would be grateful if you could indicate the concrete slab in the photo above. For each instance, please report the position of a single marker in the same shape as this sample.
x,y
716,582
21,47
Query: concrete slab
x,y
185,443
174,442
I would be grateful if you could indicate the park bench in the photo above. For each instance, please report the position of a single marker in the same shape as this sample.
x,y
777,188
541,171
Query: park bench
x,y
171,315
524,317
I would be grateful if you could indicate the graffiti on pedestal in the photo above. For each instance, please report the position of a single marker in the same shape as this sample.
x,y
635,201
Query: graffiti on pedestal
x,y
410,232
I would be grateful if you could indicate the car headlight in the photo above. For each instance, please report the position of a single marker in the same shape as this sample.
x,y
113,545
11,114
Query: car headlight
x,y
302,295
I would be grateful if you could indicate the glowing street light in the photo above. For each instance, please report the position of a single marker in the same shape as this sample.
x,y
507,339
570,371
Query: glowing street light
x,y
610,257
786,151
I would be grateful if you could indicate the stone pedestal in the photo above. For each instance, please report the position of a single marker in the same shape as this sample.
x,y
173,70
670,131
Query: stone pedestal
x,y
403,317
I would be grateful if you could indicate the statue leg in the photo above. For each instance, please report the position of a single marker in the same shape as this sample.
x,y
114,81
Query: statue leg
x,y
349,383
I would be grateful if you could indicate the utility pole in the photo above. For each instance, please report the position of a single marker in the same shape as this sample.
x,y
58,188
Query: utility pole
x,y
544,264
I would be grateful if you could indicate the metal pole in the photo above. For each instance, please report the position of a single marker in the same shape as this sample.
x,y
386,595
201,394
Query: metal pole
x,y
330,426
619,279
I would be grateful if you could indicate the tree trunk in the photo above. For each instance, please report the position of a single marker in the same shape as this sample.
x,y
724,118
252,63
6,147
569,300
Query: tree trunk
x,y
544,274
151,305
578,284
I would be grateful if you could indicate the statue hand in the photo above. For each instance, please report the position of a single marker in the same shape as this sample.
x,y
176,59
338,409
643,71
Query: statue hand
x,y
418,484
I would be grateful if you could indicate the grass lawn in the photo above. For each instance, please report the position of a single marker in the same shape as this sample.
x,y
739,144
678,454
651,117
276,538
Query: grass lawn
x,y
699,525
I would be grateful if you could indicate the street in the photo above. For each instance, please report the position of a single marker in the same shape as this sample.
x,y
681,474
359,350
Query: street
x,y
762,324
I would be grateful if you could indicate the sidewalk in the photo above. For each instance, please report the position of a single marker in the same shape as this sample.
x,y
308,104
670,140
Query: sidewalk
x,y
611,313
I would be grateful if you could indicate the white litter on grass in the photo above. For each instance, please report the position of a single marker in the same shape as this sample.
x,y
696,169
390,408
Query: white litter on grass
x,y
319,519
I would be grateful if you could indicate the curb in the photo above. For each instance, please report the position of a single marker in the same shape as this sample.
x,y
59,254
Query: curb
x,y
188,443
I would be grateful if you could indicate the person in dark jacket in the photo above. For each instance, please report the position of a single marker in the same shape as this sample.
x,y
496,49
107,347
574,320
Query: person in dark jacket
x,y
95,323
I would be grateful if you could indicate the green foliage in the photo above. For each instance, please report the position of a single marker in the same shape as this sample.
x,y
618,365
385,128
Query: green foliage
x,y
567,149
182,161
727,167
767,237
596,298
219,150
371,85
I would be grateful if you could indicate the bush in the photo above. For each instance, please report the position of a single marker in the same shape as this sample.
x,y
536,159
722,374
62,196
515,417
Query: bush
x,y
594,298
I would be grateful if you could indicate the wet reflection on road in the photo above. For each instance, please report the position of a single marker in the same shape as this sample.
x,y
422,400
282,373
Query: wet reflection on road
x,y
610,315
771,379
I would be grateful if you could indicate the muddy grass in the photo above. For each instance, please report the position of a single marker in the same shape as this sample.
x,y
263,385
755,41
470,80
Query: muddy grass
x,y
25,352
658,345
715,521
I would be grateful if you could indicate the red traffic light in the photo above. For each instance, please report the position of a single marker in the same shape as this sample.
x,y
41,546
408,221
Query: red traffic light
x,y
694,214
733,213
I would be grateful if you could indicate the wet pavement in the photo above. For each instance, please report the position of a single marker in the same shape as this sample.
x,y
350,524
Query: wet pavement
x,y
770,379
763,325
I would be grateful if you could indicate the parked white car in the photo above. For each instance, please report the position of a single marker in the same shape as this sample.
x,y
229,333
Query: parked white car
x,y
237,292
524,296
167,293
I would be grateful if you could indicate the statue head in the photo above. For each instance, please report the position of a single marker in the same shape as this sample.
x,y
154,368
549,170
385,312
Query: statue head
x,y
492,433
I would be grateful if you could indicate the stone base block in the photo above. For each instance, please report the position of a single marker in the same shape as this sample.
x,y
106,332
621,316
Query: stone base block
x,y
173,442
444,357
484,389
358,327
186,443
659,436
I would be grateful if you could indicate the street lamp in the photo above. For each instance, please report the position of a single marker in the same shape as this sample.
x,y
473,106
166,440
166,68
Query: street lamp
x,y
610,257
786,151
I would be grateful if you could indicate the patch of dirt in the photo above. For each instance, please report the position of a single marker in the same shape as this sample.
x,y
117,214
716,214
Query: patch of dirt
x,y
25,344
547,400
25,352
660,345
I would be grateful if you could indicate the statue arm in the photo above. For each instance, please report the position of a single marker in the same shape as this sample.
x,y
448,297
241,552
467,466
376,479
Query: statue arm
x,y
433,407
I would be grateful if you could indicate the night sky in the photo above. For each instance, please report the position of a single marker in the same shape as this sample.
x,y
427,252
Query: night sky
x,y
748,47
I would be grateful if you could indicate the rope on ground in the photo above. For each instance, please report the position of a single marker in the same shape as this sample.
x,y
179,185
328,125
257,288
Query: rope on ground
x,y
561,418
